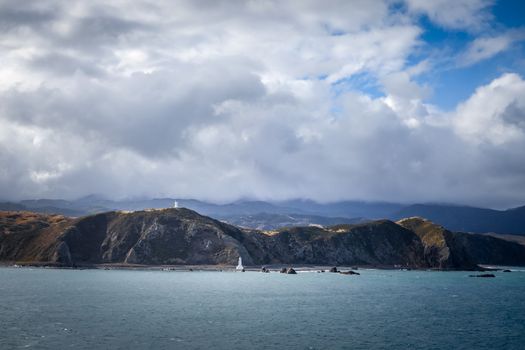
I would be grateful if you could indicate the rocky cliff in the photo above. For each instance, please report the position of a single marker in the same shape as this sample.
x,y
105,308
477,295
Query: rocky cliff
x,y
446,249
181,236
375,243
441,248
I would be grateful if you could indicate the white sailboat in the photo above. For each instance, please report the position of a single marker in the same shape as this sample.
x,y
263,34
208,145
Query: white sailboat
x,y
239,265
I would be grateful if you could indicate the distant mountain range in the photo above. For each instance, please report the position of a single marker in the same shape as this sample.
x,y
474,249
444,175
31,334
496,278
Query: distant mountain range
x,y
265,221
273,215
469,219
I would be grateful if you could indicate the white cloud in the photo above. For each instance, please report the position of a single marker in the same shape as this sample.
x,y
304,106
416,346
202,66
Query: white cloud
x,y
483,48
471,15
236,100
495,113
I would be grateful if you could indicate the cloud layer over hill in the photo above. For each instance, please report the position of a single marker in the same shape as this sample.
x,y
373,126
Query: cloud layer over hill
x,y
221,100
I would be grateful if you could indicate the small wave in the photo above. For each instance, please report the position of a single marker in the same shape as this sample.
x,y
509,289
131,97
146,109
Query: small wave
x,y
511,268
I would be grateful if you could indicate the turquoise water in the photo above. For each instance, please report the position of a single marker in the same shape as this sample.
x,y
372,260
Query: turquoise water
x,y
119,309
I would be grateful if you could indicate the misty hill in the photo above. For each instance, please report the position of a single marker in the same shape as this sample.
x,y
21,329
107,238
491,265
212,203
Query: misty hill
x,y
94,204
469,219
182,236
270,215
347,209
265,221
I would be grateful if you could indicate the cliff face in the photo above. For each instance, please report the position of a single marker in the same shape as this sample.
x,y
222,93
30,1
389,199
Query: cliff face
x,y
445,249
441,248
170,236
30,236
375,243
492,251
181,236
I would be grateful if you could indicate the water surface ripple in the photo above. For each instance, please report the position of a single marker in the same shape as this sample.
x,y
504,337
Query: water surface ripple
x,y
123,309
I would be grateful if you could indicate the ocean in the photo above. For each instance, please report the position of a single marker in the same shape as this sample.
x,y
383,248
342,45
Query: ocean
x,y
152,309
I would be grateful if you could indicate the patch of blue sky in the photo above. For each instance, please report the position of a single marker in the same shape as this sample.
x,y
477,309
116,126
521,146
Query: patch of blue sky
x,y
452,82
332,30
363,82
451,86
510,13
438,36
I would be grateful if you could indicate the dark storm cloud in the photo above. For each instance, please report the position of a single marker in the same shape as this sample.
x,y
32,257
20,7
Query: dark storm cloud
x,y
147,113
515,114
18,14
97,32
60,64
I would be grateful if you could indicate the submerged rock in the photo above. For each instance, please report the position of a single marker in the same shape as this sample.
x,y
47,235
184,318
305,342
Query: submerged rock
x,y
349,273
484,275
334,269
283,270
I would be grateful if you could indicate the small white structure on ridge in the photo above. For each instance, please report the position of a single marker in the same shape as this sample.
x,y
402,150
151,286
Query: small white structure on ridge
x,y
175,204
239,265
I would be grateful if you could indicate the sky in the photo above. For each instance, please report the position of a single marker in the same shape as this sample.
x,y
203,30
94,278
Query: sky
x,y
399,101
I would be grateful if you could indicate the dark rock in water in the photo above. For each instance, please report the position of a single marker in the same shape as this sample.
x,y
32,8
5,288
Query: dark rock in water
x,y
322,271
349,273
334,269
291,271
507,271
283,270
265,270
484,275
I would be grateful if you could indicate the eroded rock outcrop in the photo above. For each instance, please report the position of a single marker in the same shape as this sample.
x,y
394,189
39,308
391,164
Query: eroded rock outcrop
x,y
170,236
375,243
441,247
449,250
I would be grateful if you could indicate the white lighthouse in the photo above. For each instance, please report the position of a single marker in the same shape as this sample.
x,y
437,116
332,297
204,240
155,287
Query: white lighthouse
x,y
239,265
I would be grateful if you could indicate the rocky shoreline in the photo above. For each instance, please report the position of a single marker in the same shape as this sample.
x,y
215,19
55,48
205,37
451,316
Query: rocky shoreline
x,y
231,268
